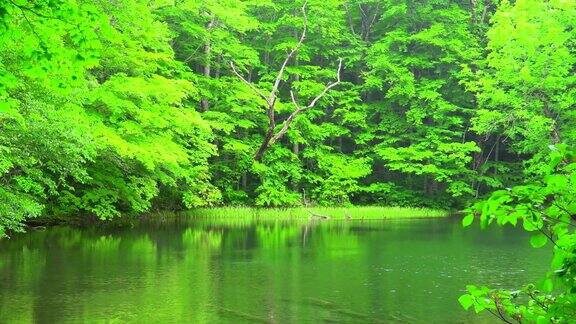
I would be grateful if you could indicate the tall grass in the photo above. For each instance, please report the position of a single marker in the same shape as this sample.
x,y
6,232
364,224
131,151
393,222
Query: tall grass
x,y
361,213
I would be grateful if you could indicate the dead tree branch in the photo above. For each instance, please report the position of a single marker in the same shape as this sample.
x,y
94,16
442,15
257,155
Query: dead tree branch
x,y
252,86
300,109
271,137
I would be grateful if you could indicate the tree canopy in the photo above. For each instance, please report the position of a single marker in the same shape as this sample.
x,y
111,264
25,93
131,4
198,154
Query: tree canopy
x,y
109,108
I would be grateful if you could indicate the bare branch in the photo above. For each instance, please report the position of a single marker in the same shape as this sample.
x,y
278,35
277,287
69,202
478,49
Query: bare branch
x,y
299,109
288,121
271,137
328,87
362,10
252,86
373,18
349,16
272,98
294,100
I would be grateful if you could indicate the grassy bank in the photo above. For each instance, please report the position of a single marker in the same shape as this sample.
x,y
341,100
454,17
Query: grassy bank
x,y
335,213
245,215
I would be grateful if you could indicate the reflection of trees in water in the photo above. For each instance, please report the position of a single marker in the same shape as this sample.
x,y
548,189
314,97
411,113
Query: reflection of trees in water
x,y
198,272
202,239
276,236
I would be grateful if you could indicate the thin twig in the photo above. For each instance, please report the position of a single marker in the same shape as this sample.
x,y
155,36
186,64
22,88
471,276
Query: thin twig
x,y
300,109
36,13
330,86
549,237
496,302
272,98
252,86
349,16
543,306
499,316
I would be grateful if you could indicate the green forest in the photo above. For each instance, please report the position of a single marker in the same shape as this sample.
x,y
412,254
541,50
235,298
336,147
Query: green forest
x,y
125,107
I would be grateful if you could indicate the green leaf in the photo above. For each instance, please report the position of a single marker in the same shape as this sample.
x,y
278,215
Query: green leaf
x,y
538,240
468,220
466,301
542,320
528,225
547,285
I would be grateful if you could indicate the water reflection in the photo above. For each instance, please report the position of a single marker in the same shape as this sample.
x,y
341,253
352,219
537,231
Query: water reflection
x,y
226,270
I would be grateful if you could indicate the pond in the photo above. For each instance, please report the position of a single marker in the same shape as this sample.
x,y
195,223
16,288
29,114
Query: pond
x,y
228,271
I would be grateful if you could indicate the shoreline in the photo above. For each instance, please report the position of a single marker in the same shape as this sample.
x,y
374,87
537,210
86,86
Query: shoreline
x,y
324,214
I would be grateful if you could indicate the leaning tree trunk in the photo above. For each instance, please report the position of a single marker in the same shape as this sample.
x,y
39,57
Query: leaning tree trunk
x,y
271,136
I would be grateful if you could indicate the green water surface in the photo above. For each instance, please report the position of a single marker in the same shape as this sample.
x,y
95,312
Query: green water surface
x,y
201,271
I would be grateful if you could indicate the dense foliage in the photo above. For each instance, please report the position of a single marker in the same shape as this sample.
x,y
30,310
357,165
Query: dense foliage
x,y
526,96
547,208
112,107
122,107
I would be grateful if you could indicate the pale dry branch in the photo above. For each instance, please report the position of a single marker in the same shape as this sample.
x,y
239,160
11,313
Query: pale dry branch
x,y
300,109
272,98
271,137
294,100
250,84
328,87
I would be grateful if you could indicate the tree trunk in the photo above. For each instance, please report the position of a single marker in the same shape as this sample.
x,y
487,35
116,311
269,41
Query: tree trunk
x,y
497,155
269,135
244,181
218,67
204,103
